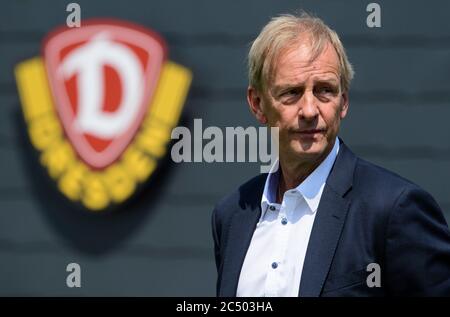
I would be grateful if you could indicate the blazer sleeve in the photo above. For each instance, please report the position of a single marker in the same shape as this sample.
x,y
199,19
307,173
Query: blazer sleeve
x,y
417,247
216,238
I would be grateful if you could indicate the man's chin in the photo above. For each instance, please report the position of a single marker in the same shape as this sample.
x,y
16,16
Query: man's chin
x,y
308,151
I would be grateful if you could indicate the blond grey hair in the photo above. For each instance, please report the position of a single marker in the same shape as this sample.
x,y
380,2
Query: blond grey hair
x,y
282,32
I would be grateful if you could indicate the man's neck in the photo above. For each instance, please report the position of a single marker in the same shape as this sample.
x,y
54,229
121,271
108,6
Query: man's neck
x,y
295,171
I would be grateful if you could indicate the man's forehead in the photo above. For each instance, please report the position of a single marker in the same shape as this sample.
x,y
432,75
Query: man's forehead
x,y
305,54
299,61
282,82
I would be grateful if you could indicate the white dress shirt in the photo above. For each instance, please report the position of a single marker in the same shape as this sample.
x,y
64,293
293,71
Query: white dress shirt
x,y
274,261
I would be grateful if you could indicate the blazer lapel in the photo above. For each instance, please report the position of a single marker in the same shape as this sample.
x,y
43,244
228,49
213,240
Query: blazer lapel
x,y
240,234
328,224
322,243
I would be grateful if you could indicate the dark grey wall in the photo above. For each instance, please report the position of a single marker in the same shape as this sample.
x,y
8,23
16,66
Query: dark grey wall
x,y
160,244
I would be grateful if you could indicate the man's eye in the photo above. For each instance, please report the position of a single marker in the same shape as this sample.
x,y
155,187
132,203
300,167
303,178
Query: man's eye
x,y
291,92
325,90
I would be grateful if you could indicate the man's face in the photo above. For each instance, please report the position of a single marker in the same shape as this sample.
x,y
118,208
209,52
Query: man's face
x,y
304,99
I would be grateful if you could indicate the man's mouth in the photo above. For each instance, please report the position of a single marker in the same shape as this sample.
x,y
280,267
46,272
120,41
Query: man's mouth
x,y
312,131
309,132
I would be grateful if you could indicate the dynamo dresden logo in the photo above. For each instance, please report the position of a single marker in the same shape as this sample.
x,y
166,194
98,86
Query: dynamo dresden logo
x,y
100,107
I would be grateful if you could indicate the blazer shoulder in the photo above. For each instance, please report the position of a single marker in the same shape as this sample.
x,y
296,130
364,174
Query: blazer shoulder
x,y
381,182
249,193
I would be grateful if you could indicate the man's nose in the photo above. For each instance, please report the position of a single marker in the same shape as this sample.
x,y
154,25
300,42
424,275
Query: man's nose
x,y
308,106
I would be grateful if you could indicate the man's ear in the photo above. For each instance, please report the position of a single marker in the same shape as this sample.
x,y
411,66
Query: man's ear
x,y
345,103
254,100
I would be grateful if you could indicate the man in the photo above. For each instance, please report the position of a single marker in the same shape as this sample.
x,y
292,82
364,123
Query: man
x,y
323,222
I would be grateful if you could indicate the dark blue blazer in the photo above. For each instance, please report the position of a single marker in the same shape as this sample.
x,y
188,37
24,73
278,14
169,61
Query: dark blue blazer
x,y
366,215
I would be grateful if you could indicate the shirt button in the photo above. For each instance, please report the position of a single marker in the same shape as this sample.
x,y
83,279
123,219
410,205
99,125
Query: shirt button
x,y
274,265
272,208
284,221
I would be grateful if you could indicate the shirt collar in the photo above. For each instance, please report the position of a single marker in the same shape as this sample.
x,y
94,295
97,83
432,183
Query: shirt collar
x,y
311,188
